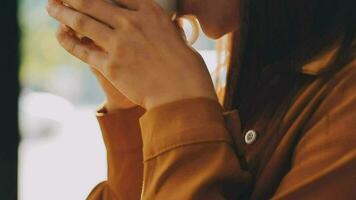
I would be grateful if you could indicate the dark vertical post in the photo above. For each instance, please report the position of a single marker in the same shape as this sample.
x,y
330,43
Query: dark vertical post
x,y
9,90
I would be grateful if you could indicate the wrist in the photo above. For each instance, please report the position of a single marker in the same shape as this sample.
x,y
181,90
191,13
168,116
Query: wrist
x,y
161,100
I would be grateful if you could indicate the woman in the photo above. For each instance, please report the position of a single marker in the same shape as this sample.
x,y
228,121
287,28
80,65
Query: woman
x,y
287,127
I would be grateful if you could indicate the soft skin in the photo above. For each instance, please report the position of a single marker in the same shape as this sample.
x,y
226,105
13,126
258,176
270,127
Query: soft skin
x,y
136,52
216,17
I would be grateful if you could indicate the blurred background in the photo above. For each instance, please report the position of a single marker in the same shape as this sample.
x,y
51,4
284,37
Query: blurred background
x,y
60,152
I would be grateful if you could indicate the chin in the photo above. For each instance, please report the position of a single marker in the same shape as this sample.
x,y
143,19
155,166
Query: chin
x,y
216,30
214,33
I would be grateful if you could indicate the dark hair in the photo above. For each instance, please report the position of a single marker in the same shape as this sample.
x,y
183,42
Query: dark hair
x,y
276,38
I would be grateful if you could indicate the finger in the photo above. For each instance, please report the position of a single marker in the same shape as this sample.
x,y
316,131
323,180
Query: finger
x,y
81,23
99,9
88,53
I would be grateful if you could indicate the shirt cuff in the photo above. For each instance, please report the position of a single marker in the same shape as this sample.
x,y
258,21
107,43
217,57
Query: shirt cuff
x,y
182,122
121,128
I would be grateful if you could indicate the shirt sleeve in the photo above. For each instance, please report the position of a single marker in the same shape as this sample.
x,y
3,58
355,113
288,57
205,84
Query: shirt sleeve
x,y
188,153
324,162
122,137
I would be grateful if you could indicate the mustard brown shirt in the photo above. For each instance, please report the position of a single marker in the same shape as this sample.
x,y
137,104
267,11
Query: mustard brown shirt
x,y
193,150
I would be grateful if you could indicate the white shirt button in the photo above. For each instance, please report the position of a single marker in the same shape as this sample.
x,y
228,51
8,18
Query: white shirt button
x,y
250,136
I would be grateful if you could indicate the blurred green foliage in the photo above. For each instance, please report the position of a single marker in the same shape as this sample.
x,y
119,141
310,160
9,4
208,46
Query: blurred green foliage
x,y
41,53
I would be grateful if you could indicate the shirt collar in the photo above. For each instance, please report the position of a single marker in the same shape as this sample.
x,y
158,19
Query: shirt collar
x,y
320,63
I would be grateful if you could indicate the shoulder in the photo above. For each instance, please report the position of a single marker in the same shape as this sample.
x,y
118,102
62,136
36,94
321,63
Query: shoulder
x,y
333,121
339,91
344,78
325,154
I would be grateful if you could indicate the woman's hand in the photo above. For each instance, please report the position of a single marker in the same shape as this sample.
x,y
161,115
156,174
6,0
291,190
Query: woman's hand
x,y
139,50
114,98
